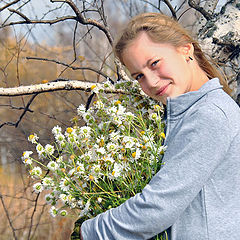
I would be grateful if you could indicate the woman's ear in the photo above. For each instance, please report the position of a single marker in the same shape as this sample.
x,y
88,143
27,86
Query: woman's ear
x,y
187,50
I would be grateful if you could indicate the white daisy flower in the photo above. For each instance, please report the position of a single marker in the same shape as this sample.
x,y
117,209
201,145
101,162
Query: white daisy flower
x,y
85,131
49,149
114,136
53,211
129,116
128,141
38,187
96,169
26,154
154,117
40,149
53,166
48,198
80,168
63,198
27,161
112,110
60,138
63,213
36,171
117,170
162,149
33,138
47,182
56,130
111,147
121,109
87,117
117,120
99,104
108,160
101,150
81,109
64,185
137,154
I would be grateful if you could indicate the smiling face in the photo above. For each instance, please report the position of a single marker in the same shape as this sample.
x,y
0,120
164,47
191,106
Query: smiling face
x,y
161,69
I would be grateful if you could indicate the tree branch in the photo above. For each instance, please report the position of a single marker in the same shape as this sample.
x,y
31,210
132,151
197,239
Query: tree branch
x,y
61,84
170,8
192,4
50,22
69,66
8,217
9,4
84,21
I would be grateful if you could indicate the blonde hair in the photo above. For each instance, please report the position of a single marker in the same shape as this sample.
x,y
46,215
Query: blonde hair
x,y
163,29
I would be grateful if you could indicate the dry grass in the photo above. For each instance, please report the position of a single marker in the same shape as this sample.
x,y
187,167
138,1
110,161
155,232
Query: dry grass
x,y
17,206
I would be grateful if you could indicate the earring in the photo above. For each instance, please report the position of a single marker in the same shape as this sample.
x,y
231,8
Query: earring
x,y
190,58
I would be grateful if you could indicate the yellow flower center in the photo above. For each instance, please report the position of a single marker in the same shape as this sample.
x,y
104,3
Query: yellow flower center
x,y
69,130
117,102
93,86
163,135
101,143
31,137
91,178
144,147
134,154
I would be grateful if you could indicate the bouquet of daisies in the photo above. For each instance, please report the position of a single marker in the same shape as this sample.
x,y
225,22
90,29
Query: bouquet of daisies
x,y
97,166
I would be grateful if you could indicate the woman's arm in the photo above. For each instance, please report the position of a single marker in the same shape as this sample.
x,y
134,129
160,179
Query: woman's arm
x,y
194,152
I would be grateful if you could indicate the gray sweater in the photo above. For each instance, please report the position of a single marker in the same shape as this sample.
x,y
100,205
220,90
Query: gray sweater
x,y
197,191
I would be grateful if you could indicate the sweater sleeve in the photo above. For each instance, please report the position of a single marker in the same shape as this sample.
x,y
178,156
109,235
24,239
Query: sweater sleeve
x,y
197,146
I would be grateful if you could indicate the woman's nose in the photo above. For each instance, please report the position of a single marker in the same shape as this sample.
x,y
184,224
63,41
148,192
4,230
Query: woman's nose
x,y
152,80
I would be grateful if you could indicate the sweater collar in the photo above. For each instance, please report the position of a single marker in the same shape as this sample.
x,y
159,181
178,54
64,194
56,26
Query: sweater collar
x,y
178,105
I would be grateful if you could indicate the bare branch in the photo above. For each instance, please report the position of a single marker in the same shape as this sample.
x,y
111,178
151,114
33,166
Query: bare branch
x,y
20,14
69,66
50,22
171,8
8,217
8,5
192,4
84,21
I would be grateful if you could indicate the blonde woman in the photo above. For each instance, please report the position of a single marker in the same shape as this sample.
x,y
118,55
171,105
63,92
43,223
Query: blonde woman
x,y
196,194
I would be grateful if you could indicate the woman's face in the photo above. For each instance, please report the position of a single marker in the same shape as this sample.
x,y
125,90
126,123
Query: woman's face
x,y
162,70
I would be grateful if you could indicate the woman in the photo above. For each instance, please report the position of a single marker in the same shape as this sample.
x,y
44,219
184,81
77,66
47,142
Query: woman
x,y
196,194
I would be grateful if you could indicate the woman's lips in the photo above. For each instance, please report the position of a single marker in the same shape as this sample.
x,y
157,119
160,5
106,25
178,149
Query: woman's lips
x,y
162,90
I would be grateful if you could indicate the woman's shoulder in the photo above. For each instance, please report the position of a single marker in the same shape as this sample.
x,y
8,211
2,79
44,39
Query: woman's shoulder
x,y
218,108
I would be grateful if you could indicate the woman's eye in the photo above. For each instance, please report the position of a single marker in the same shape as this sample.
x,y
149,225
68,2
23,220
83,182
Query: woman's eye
x,y
154,63
139,76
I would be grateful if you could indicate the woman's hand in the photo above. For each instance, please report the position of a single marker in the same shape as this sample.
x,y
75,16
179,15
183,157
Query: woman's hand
x,y
80,232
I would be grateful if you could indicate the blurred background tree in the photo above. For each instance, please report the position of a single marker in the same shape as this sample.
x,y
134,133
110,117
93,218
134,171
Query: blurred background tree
x,y
63,40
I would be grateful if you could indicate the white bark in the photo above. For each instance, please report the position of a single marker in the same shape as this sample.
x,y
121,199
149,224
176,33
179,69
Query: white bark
x,y
55,86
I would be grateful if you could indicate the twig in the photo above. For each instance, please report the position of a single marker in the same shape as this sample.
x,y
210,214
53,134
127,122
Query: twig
x,y
33,213
85,21
69,66
170,8
8,217
8,5
192,4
